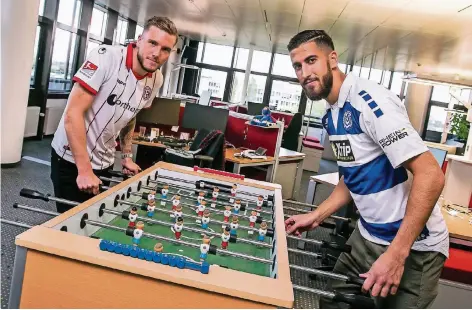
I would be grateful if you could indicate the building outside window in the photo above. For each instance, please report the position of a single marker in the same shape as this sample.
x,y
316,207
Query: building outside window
x,y
62,60
69,12
213,81
285,96
99,22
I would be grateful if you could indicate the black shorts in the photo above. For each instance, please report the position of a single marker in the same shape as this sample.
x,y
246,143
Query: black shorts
x,y
64,179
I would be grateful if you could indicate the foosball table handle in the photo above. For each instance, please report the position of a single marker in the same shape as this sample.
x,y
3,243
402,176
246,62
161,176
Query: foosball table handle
x,y
33,194
356,280
357,301
338,247
118,174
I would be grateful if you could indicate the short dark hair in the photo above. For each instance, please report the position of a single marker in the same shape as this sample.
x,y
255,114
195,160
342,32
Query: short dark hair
x,y
320,37
163,23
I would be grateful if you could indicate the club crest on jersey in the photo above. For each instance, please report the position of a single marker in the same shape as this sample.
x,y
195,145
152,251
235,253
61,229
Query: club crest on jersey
x,y
102,50
147,92
347,120
88,69
342,150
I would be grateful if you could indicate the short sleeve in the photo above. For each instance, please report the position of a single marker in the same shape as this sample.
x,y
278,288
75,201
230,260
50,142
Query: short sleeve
x,y
386,122
94,71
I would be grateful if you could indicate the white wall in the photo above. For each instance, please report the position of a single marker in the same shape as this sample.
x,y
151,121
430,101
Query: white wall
x,y
54,110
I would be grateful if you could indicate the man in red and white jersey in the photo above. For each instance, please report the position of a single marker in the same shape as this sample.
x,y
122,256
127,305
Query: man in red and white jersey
x,y
112,86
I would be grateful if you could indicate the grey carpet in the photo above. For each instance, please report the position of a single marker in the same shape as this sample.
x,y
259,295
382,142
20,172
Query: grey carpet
x,y
36,176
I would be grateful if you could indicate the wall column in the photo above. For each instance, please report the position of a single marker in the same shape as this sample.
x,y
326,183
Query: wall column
x,y
19,21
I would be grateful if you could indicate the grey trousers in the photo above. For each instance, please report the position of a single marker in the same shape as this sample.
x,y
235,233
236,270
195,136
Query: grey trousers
x,y
419,284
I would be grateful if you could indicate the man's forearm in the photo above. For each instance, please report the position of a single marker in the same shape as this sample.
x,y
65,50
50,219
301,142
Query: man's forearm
x,y
74,124
126,136
424,194
338,198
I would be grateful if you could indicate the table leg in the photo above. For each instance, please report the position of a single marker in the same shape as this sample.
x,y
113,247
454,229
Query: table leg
x,y
236,168
298,180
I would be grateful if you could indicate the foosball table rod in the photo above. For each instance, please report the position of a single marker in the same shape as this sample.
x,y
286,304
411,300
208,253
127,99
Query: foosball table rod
x,y
13,223
213,249
233,238
195,199
357,301
335,217
323,244
350,280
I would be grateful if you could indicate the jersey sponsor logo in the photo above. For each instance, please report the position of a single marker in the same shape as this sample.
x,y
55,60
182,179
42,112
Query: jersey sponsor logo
x,y
89,68
147,92
342,150
121,82
347,120
393,137
111,100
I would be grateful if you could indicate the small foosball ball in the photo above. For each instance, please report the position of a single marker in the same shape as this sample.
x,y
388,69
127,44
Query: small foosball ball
x,y
169,237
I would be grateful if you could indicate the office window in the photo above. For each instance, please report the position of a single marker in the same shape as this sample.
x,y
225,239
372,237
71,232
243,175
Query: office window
x,y
69,12
356,70
255,88
386,80
41,8
375,75
441,93
365,72
397,83
120,31
62,60
91,46
260,61
285,96
35,55
139,31
240,58
315,108
99,22
213,81
218,55
437,119
283,66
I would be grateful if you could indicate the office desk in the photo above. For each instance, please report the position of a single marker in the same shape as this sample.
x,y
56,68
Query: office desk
x,y
245,162
460,231
328,178
290,168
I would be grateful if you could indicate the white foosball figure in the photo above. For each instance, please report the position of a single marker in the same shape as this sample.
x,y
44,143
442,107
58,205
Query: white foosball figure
x,y
138,233
165,191
151,195
234,225
204,248
237,206
151,208
262,231
205,219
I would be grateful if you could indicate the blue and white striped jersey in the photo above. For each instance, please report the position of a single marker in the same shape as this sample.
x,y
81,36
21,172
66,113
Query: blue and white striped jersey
x,y
371,137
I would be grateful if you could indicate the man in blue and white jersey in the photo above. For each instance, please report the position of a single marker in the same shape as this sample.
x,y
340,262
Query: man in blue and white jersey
x,y
401,240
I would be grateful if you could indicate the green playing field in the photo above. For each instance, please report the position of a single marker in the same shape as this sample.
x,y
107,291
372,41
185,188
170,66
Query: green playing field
x,y
227,261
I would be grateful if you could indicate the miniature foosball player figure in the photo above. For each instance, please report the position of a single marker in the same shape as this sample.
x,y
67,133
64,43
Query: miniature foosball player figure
x,y
262,231
226,214
200,198
225,238
215,193
151,196
205,219
151,208
133,215
237,206
178,226
138,233
234,225
204,248
234,189
201,208
158,248
175,202
259,202
177,213
165,191
252,221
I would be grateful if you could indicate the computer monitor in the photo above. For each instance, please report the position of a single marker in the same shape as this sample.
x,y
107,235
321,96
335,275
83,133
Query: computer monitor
x,y
439,154
162,111
198,116
254,108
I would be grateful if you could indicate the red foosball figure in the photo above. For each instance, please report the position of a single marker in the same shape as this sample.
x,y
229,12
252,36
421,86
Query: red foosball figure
x,y
259,202
225,238
227,214
215,193
178,226
234,189
133,215
175,202
201,208
252,219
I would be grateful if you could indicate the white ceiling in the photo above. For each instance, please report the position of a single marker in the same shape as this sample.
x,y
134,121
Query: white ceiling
x,y
424,36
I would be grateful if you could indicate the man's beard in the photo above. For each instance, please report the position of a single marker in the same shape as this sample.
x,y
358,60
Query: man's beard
x,y
326,85
141,62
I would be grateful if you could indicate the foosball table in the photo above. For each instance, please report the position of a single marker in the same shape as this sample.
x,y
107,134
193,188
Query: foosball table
x,y
168,237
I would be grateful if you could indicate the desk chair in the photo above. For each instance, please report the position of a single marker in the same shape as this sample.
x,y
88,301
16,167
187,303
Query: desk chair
x,y
290,137
205,151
